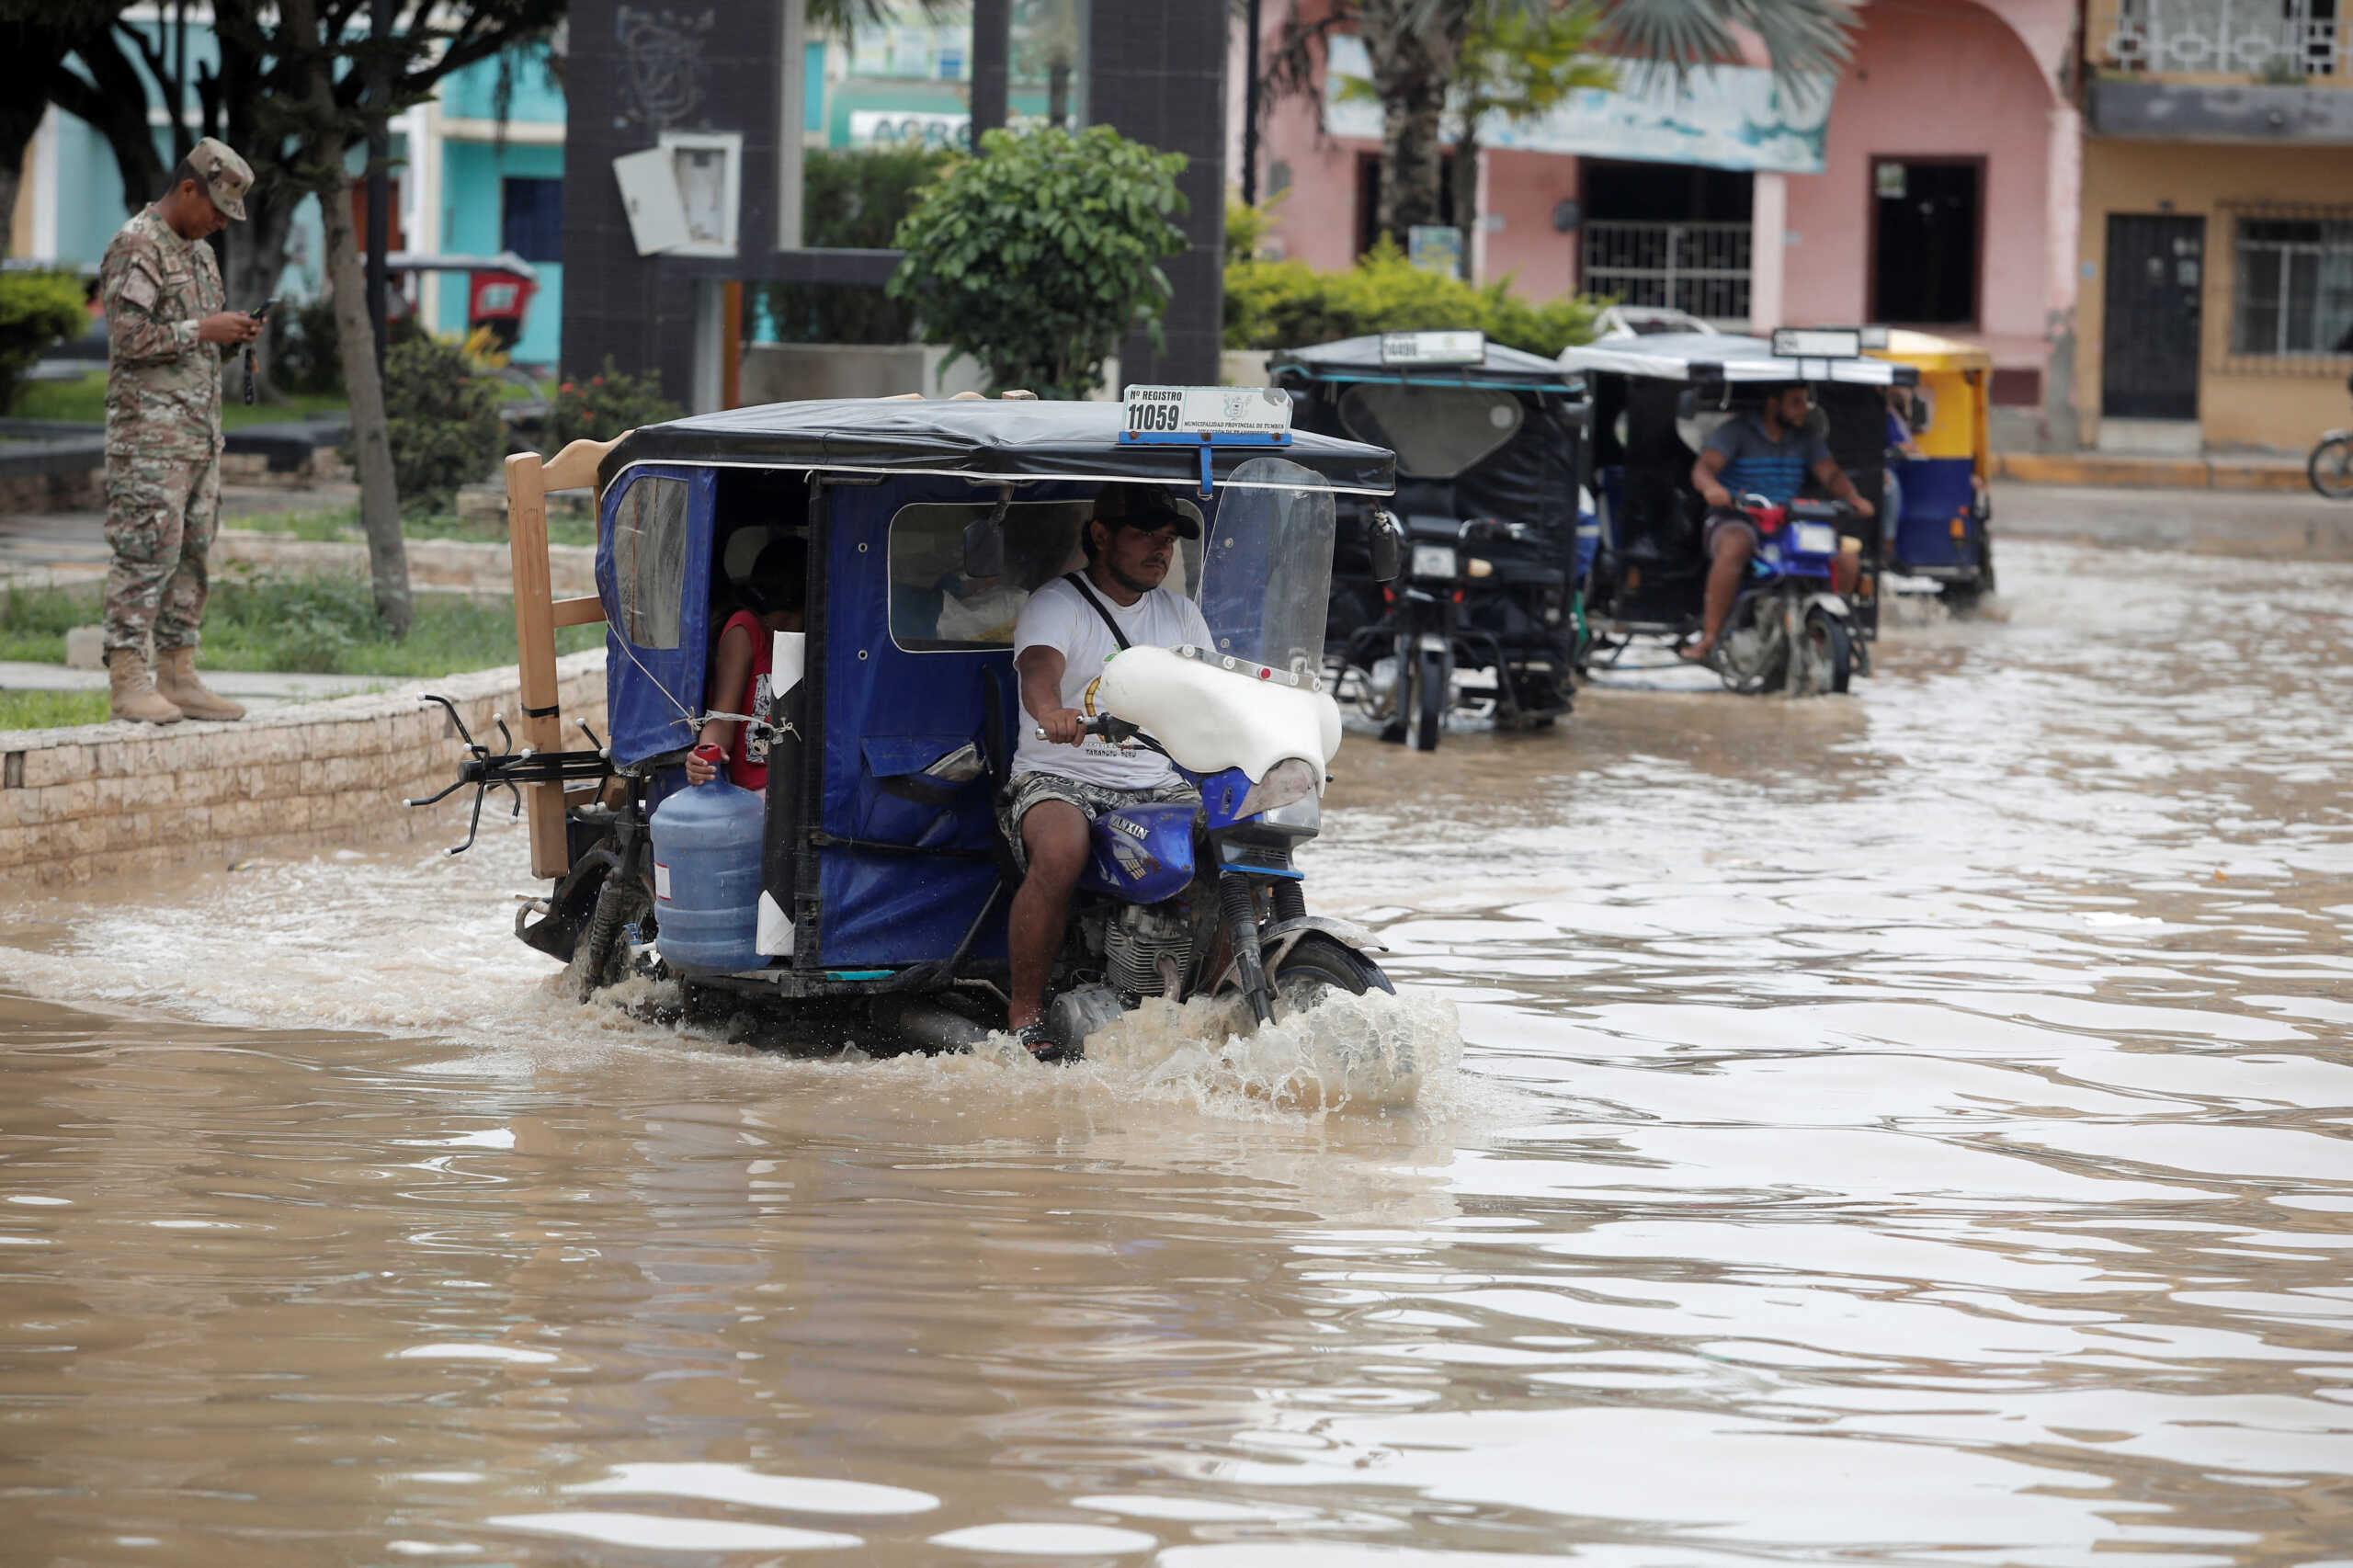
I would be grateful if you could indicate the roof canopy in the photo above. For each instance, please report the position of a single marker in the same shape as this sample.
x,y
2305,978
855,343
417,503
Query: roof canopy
x,y
1703,356
979,438
1358,360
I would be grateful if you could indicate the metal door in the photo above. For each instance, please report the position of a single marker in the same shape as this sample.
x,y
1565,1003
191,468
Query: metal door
x,y
2156,274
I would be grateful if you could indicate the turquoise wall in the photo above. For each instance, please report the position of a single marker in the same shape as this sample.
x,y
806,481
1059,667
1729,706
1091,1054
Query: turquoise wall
x,y
471,222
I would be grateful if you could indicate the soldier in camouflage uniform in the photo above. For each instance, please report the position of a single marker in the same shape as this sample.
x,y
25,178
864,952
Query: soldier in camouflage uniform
x,y
165,331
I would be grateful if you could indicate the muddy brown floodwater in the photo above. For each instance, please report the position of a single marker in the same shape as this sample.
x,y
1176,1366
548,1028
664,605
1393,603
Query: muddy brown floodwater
x,y
1902,1129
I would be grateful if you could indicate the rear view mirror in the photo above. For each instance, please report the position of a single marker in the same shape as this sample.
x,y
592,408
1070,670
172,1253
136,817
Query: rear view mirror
x,y
1386,542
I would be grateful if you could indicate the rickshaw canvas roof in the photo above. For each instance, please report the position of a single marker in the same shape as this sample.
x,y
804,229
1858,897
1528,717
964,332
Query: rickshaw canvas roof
x,y
1692,356
1929,352
978,438
1359,358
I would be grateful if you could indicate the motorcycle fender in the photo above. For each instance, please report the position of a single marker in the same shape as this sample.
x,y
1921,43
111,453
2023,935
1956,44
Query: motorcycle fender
x,y
2328,436
1831,604
1431,643
1276,941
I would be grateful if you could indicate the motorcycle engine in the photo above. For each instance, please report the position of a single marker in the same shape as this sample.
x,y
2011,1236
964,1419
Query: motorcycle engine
x,y
1145,948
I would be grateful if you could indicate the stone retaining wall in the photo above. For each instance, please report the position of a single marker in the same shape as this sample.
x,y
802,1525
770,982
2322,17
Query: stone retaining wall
x,y
114,800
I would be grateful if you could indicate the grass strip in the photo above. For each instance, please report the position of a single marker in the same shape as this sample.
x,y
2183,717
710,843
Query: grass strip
x,y
316,625
52,709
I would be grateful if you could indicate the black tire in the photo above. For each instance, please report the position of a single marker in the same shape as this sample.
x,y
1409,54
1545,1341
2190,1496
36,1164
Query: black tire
x,y
1318,965
1427,713
2330,468
1834,650
601,958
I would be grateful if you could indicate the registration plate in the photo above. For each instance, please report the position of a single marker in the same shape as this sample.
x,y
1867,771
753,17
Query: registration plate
x,y
1816,539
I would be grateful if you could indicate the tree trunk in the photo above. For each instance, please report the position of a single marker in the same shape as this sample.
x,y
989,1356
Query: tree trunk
x,y
325,145
1413,50
372,441
1463,177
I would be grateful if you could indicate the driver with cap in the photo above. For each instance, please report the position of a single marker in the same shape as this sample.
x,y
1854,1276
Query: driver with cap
x,y
1062,782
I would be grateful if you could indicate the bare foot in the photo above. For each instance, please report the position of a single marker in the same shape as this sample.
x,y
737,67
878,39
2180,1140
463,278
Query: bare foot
x,y
1695,653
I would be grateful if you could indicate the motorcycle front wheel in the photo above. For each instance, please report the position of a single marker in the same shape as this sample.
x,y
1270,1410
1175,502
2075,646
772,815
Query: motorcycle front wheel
x,y
2330,468
1830,652
1317,967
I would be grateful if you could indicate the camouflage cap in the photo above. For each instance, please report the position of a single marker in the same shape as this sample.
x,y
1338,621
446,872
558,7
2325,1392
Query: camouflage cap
x,y
226,176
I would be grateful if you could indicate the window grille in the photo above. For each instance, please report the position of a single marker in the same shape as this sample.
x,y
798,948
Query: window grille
x,y
2292,304
2271,39
1701,268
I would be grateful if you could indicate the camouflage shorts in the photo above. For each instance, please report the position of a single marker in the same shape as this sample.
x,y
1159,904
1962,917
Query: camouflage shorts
x,y
161,510
1027,790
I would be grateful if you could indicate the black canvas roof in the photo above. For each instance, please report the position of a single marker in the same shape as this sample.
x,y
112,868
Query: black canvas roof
x,y
982,437
1506,367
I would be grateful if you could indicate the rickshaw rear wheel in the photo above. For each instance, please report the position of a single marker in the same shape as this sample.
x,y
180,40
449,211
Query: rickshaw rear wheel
x,y
601,958
1317,967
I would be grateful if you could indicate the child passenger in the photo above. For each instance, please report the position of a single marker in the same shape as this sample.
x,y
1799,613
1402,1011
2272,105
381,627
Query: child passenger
x,y
776,592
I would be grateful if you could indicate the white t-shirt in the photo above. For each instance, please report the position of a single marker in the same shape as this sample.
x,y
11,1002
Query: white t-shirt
x,y
1057,618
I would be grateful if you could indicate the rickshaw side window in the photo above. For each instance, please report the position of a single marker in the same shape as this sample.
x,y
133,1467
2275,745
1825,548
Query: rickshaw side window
x,y
649,560
1437,432
936,607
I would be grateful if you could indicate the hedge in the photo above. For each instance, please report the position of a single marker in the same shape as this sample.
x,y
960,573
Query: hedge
x,y
1287,304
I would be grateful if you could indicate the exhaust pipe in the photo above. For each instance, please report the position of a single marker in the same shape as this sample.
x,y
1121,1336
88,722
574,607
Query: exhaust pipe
x,y
928,1026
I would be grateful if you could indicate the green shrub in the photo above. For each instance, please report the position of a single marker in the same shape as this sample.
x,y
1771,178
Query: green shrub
x,y
854,199
1287,304
444,422
38,310
606,405
1038,256
303,357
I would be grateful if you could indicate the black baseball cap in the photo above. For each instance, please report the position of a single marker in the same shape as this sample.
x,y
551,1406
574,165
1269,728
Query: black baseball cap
x,y
1146,506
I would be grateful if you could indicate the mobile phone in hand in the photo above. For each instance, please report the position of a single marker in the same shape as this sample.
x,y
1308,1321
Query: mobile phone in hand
x,y
266,306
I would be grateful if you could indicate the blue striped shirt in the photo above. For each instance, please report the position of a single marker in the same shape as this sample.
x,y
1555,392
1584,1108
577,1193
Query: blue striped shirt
x,y
1755,463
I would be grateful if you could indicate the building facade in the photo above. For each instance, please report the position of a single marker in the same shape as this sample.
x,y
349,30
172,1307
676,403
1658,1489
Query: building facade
x,y
1933,184
2216,311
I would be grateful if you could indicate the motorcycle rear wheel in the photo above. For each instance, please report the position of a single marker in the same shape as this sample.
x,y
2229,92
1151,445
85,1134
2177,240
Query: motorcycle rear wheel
x,y
601,960
2330,468
1426,711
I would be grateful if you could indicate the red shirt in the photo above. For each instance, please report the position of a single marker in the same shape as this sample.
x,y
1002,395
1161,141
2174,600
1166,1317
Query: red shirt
x,y
748,755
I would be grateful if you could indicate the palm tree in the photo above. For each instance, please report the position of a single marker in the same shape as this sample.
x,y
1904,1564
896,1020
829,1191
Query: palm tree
x,y
1417,49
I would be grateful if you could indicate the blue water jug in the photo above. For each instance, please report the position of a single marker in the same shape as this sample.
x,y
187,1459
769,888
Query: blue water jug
x,y
707,879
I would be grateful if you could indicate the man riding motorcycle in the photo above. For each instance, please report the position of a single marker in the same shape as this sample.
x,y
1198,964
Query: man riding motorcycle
x,y
1062,782
1770,452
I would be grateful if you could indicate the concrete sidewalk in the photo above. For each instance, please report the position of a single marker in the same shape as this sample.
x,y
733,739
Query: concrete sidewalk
x,y
255,689
2274,525
2115,471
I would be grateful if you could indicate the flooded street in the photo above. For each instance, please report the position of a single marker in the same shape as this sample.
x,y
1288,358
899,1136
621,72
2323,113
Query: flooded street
x,y
1905,1128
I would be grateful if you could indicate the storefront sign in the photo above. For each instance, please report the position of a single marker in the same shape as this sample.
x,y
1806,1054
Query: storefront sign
x,y
1725,116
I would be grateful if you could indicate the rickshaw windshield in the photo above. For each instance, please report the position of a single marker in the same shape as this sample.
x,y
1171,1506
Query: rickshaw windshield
x,y
1267,574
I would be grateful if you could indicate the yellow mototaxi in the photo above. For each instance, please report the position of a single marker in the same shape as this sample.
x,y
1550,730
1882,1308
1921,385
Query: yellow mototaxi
x,y
1942,524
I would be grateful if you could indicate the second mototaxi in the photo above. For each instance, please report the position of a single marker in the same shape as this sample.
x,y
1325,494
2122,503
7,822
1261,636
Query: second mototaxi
x,y
1656,401
876,882
1491,449
1941,526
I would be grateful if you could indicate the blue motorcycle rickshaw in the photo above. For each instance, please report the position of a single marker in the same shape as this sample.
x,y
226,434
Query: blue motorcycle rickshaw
x,y
1491,466
1656,401
867,901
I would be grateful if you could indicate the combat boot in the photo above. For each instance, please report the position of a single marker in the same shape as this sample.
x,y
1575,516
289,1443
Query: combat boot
x,y
132,691
176,682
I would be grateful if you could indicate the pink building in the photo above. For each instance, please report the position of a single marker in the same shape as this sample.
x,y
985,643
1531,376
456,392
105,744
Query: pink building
x,y
1940,191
